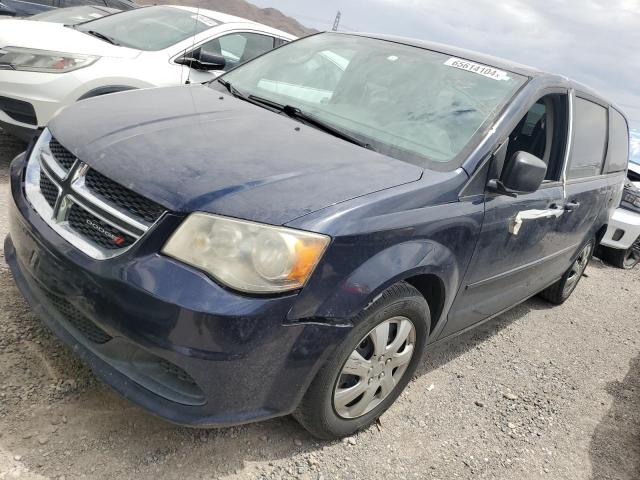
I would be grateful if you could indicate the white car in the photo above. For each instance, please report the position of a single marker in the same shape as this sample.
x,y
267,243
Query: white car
x,y
45,67
621,244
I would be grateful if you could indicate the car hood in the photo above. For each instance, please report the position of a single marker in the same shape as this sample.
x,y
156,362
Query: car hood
x,y
195,149
58,38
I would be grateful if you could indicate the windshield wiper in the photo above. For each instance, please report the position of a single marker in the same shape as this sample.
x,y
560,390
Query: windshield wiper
x,y
101,36
261,102
296,113
232,90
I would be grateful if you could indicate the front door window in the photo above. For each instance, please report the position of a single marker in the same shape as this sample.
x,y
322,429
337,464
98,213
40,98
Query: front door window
x,y
238,48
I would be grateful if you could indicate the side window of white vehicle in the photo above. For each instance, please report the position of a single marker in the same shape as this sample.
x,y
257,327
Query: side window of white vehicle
x,y
238,48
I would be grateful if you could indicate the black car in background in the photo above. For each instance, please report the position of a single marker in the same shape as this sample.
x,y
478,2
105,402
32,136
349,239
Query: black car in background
x,y
26,8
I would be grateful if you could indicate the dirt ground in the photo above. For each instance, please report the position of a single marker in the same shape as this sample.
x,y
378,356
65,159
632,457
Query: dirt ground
x,y
539,392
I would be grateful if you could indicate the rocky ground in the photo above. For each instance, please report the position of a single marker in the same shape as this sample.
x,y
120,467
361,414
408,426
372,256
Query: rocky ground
x,y
539,392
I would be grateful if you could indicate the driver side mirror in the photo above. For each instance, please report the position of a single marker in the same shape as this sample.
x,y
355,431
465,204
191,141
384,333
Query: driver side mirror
x,y
523,173
204,61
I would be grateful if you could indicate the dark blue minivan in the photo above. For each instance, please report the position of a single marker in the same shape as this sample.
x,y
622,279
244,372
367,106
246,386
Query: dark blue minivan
x,y
294,237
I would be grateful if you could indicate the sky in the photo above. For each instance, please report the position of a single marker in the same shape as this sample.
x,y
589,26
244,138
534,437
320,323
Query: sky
x,y
594,42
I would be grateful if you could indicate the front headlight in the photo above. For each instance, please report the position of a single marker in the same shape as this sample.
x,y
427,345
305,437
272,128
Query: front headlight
x,y
247,256
32,60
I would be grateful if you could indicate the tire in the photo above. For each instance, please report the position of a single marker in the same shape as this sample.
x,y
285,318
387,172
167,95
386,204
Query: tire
x,y
559,292
323,410
626,259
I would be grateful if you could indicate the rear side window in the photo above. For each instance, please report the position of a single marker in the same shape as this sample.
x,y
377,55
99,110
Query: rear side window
x,y
618,143
589,139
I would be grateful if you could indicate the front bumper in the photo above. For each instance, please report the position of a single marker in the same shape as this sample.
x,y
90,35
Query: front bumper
x,y
168,338
47,93
626,221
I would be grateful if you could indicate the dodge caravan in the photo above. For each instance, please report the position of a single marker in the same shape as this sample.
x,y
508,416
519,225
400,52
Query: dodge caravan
x,y
295,236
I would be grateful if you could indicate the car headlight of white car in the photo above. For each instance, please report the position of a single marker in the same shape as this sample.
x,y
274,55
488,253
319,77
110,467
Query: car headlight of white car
x,y
247,256
34,60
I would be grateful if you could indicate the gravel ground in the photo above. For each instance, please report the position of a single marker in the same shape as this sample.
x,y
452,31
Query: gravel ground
x,y
539,392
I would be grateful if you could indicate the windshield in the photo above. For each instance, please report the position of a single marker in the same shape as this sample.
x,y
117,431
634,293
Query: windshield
x,y
73,15
406,102
150,28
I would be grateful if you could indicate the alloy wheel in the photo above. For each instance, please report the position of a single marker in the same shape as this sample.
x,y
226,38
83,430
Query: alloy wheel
x,y
577,269
374,368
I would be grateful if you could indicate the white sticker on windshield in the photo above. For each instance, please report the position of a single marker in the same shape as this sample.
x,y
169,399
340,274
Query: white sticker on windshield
x,y
478,68
202,19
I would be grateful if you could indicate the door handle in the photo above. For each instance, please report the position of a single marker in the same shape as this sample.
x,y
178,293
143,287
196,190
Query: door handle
x,y
516,222
571,206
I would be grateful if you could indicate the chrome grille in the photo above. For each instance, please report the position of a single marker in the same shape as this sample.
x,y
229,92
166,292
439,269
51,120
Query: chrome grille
x,y
100,217
94,229
48,189
63,156
137,205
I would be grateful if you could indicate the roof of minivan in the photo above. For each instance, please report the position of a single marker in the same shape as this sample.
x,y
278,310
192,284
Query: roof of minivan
x,y
225,18
490,60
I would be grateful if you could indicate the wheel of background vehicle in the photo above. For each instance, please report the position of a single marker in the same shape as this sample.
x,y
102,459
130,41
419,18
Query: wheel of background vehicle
x,y
626,259
370,368
560,291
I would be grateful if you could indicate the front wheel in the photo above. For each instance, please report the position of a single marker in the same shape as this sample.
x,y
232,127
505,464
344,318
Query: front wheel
x,y
370,368
560,291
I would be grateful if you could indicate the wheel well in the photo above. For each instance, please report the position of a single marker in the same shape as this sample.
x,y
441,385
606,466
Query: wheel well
x,y
432,289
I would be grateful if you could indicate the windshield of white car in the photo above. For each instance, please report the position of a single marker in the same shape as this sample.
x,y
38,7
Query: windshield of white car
x,y
150,28
410,103
74,15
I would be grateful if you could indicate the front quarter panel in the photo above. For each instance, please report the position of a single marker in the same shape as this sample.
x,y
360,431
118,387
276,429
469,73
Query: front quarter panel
x,y
387,237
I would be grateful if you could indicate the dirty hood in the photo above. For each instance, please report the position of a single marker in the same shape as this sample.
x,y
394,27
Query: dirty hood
x,y
196,149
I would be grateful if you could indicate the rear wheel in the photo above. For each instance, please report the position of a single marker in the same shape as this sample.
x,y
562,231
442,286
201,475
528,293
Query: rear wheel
x,y
370,369
560,291
626,259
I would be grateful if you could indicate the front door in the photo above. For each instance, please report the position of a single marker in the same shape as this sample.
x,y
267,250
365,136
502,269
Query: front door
x,y
521,248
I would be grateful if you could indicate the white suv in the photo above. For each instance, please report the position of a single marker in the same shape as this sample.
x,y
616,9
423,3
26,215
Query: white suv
x,y
621,244
45,67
